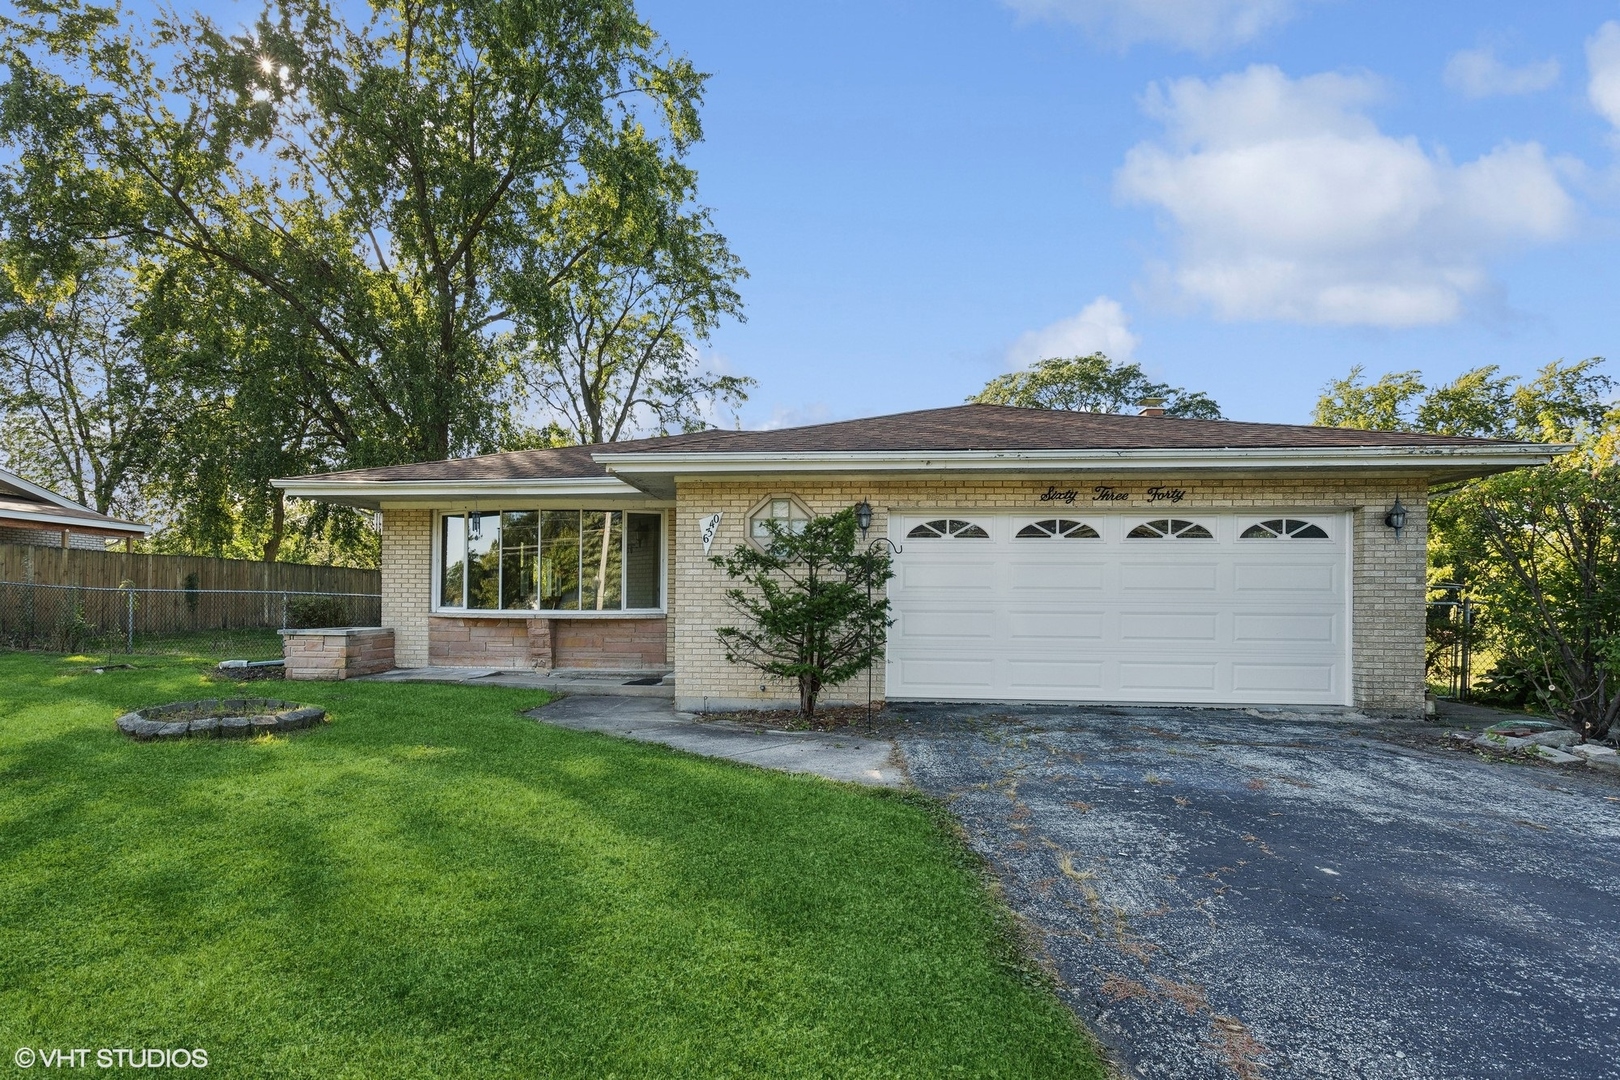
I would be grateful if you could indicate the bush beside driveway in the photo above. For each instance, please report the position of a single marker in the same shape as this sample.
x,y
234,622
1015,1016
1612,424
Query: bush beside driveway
x,y
1230,894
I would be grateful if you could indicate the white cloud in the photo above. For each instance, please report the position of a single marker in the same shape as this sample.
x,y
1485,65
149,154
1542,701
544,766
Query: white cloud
x,y
1102,326
1200,25
1603,63
1477,73
1289,203
801,416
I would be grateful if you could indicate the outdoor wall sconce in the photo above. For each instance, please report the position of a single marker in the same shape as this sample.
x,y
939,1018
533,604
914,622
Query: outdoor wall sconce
x,y
863,516
1396,518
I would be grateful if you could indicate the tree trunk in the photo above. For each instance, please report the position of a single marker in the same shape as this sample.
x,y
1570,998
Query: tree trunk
x,y
278,527
809,689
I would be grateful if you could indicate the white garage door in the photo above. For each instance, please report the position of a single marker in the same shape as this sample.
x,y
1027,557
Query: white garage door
x,y
1150,607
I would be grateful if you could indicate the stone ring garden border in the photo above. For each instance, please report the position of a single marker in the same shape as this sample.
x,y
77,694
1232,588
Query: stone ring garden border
x,y
223,718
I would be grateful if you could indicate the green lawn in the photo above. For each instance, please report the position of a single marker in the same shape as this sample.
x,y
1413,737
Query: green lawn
x,y
433,885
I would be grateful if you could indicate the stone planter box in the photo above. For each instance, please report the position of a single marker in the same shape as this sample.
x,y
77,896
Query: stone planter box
x,y
337,652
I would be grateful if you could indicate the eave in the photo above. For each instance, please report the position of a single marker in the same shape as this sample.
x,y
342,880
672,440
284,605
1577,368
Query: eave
x,y
374,494
655,472
72,523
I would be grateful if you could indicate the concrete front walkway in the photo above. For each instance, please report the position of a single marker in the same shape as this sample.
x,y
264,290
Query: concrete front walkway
x,y
850,758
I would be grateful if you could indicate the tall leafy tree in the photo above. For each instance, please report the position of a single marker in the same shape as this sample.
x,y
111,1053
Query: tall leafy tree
x,y
396,189
79,410
1388,404
1540,550
1537,550
1092,384
1564,402
622,355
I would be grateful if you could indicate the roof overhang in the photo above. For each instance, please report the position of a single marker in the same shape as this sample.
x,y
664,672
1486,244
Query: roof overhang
x,y
373,494
655,472
45,519
59,512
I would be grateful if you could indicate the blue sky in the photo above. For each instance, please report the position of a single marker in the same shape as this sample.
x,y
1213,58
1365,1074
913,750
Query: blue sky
x,y
1247,197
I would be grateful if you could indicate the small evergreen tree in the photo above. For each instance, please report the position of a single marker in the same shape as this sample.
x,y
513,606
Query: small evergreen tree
x,y
813,603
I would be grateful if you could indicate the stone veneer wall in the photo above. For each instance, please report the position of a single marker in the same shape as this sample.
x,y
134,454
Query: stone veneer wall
x,y
628,644
337,652
620,644
1388,580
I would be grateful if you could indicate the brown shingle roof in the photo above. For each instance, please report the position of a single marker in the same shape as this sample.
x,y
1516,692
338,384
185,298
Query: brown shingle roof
x,y
560,464
1002,427
961,427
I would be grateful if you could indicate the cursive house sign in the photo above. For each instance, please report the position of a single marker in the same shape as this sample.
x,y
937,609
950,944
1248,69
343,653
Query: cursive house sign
x,y
1108,493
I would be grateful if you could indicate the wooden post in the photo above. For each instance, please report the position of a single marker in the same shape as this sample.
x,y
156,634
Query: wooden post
x,y
64,539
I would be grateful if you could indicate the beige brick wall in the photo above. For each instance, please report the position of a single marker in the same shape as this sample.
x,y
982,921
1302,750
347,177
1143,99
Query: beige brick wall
x,y
52,538
1388,579
407,582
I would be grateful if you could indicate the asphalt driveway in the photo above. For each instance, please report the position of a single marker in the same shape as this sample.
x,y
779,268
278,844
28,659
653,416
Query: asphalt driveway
x,y
1227,894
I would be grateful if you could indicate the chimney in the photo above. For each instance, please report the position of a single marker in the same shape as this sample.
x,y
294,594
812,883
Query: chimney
x,y
1153,406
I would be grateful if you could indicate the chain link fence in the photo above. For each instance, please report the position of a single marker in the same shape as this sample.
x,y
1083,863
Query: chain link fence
x,y
234,623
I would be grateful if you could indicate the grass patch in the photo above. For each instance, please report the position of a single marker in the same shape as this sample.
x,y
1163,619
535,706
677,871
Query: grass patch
x,y
434,886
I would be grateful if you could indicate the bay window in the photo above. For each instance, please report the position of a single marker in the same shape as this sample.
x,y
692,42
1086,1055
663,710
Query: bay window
x,y
551,560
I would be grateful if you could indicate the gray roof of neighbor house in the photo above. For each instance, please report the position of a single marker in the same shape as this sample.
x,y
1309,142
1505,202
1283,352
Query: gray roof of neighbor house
x,y
26,505
962,436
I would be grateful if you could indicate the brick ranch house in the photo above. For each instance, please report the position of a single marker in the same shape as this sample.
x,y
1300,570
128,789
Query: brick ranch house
x,y
30,514
1044,556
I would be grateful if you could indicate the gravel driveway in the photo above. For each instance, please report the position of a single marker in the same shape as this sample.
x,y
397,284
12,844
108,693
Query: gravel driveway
x,y
1225,894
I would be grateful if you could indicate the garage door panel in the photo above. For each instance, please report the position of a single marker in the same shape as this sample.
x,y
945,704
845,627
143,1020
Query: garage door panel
x,y
948,577
1168,576
1079,676
1111,619
1285,577
1167,626
1056,577
1280,628
954,674
947,626
1165,677
1275,678
1055,627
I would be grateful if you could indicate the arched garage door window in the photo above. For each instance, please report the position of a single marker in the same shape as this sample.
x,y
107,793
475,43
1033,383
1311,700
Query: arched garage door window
x,y
1057,529
947,529
1285,529
1169,529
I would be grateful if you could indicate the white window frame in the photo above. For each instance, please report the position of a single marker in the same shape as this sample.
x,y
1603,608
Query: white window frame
x,y
437,569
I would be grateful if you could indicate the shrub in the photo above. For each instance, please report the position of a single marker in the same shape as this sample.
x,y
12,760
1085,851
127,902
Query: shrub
x,y
307,611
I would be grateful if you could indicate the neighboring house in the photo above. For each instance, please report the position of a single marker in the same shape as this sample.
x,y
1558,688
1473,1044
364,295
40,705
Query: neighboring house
x,y
30,514
1047,556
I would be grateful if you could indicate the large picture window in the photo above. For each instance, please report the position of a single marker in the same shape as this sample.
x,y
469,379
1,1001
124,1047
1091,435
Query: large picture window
x,y
551,560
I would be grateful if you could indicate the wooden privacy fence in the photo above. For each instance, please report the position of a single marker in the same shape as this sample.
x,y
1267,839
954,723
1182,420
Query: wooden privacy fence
x,y
35,564
72,600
